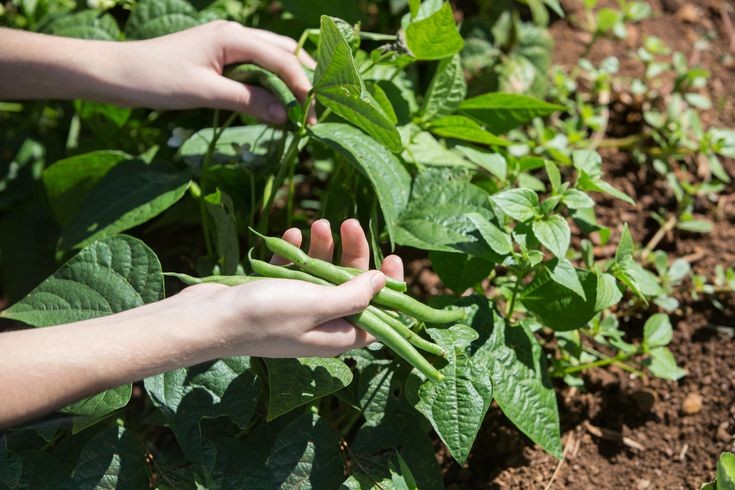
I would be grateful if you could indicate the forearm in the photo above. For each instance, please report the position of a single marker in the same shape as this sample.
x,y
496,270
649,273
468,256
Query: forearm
x,y
45,368
37,66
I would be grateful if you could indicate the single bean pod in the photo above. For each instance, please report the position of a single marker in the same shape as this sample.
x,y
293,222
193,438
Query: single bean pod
x,y
226,280
266,269
390,282
391,339
249,73
385,297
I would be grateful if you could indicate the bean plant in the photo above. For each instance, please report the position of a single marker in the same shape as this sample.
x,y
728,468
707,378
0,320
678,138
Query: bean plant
x,y
429,164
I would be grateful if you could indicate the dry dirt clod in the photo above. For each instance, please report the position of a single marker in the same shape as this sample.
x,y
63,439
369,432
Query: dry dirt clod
x,y
692,404
722,433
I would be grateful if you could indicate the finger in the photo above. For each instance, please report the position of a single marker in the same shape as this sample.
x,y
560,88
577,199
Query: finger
x,y
239,47
292,236
348,298
321,245
234,96
337,336
355,248
285,43
392,266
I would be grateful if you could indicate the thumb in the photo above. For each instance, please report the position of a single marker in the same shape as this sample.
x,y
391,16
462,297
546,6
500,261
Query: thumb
x,y
258,102
351,297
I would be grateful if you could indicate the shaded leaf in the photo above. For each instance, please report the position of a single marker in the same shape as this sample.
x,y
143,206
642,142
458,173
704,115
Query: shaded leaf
x,y
501,112
111,459
446,91
154,18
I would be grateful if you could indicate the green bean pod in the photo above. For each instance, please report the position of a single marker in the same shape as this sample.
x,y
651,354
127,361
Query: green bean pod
x,y
249,73
391,339
226,280
266,269
385,297
405,332
390,282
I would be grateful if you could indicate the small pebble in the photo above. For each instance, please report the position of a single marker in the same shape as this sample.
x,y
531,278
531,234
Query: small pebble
x,y
692,404
722,432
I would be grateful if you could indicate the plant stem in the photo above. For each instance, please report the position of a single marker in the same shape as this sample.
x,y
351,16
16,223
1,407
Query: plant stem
x,y
512,304
660,234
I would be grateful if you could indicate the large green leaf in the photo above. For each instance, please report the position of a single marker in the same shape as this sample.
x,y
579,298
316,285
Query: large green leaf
x,y
11,466
295,382
457,404
390,180
225,387
435,36
128,195
111,459
68,181
501,112
424,150
447,89
559,307
438,216
109,276
520,204
253,146
459,271
240,465
153,18
306,455
521,385
339,87
87,24
44,471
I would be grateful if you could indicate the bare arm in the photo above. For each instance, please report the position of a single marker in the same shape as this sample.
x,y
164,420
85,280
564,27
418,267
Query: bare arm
x,y
45,368
178,71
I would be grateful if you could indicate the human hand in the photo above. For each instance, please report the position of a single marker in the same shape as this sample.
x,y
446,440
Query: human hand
x,y
285,318
184,70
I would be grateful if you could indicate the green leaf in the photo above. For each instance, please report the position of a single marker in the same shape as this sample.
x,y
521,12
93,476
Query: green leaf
x,y
389,179
552,171
435,36
460,271
564,273
306,455
560,308
575,199
69,181
437,216
498,240
128,195
457,404
339,87
521,384
221,210
520,204
111,459
501,112
91,410
383,101
447,89
296,382
109,276
696,226
553,233
726,471
11,465
626,246
240,464
401,477
225,387
87,24
154,18
657,332
423,149
494,163
466,129
663,365
254,146
43,471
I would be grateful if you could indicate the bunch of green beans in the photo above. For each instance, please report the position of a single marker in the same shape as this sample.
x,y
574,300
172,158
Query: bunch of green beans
x,y
374,319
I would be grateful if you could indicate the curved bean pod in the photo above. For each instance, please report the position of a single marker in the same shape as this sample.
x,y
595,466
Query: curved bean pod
x,y
249,73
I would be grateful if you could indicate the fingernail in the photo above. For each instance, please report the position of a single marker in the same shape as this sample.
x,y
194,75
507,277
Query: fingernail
x,y
378,279
276,112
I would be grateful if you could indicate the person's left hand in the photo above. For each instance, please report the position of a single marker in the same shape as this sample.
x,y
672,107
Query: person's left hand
x,y
184,70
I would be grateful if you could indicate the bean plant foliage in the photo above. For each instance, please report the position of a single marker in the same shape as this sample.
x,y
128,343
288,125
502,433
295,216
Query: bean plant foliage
x,y
402,143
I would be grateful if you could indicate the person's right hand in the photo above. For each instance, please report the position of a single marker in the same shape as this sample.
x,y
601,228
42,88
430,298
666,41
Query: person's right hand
x,y
287,318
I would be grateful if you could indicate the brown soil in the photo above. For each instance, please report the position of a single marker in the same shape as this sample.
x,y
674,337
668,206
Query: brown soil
x,y
624,431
